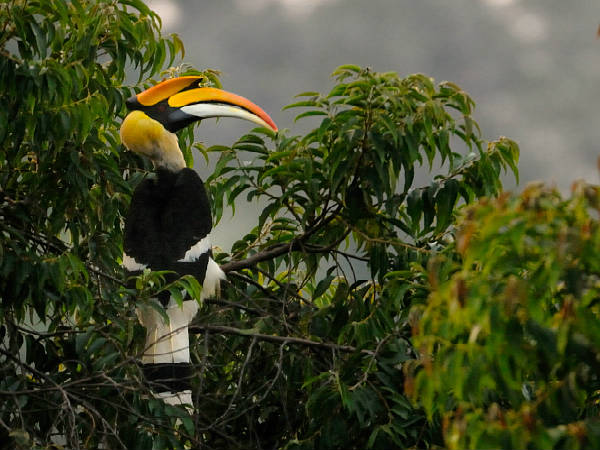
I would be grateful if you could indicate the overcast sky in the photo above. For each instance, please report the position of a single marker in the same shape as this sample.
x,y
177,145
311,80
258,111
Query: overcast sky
x,y
532,66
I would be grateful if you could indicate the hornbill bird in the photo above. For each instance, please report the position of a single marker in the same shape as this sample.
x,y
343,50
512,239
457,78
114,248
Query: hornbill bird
x,y
169,220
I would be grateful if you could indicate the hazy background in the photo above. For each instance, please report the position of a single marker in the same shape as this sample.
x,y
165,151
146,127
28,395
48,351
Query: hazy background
x,y
532,66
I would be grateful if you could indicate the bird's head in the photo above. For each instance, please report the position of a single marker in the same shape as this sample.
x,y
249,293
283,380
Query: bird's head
x,y
158,112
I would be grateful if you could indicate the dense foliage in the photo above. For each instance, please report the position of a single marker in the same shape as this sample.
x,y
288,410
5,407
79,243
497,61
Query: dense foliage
x,y
334,258
68,331
366,308
515,328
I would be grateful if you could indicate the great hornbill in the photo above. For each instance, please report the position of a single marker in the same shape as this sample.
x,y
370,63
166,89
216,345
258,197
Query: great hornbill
x,y
169,220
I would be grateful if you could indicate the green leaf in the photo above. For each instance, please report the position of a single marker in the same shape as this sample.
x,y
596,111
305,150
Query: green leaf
x,y
40,39
337,91
346,68
445,201
178,44
300,104
414,206
307,94
322,286
310,113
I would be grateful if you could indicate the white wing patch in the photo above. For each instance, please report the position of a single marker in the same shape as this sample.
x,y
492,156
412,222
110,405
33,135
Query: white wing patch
x,y
212,280
131,264
197,250
214,274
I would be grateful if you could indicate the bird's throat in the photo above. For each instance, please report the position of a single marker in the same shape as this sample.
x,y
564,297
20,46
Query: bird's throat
x,y
144,135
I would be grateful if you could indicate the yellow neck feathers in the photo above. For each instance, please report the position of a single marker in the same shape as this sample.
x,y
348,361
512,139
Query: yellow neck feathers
x,y
144,135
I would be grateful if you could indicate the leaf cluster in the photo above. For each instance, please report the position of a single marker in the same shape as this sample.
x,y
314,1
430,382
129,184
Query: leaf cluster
x,y
336,258
515,328
69,336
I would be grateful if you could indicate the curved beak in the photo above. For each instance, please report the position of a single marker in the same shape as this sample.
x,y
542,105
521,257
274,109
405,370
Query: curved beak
x,y
178,102
212,102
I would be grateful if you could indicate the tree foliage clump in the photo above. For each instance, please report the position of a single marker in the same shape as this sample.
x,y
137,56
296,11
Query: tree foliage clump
x,y
68,332
372,305
515,327
335,258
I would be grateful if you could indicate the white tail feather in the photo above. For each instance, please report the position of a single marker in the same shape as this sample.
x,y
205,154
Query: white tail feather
x,y
176,398
167,341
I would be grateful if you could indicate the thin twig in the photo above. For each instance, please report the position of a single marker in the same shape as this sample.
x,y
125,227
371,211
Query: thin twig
x,y
281,249
268,254
223,329
239,384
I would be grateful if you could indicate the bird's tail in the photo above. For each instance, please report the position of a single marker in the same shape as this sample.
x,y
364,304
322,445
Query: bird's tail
x,y
166,359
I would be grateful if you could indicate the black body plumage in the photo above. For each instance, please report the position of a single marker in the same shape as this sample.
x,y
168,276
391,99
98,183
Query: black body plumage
x,y
168,215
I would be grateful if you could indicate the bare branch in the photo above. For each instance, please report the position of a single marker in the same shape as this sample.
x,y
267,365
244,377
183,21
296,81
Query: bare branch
x,y
223,329
270,253
276,250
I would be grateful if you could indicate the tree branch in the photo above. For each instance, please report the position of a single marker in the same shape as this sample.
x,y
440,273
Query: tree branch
x,y
223,329
270,253
281,249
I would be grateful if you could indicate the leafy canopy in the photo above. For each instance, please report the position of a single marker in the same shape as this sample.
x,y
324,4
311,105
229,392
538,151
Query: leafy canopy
x,y
515,327
367,308
337,257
